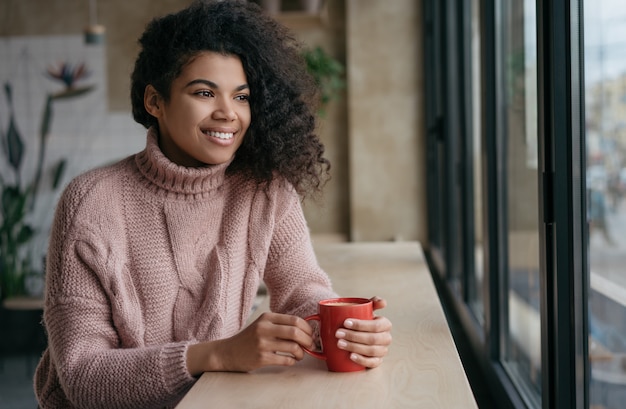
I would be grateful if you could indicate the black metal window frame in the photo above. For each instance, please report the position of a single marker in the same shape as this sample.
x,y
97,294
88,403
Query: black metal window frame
x,y
564,279
563,257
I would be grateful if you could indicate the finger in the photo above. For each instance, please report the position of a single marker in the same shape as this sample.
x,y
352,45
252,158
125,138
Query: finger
x,y
367,350
378,303
283,360
290,320
378,324
294,334
374,339
368,362
290,349
287,328
276,358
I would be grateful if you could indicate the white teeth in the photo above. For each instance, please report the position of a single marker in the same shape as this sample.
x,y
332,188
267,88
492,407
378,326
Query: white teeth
x,y
220,135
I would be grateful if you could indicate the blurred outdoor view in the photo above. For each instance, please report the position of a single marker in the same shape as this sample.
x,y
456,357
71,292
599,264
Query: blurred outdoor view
x,y
605,96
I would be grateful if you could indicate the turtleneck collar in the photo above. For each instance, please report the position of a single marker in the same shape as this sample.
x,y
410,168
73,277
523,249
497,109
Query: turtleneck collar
x,y
167,175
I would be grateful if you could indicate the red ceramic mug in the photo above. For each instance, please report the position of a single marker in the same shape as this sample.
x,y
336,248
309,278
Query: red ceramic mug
x,y
331,314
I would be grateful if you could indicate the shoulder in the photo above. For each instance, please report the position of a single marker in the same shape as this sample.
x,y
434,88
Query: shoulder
x,y
95,188
97,179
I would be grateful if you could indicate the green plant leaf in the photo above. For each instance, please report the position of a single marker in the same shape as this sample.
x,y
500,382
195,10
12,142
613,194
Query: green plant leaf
x,y
59,169
13,205
9,196
46,119
24,234
8,91
327,73
14,144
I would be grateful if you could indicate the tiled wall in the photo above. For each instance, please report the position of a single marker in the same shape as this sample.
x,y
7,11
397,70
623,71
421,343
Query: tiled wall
x,y
82,129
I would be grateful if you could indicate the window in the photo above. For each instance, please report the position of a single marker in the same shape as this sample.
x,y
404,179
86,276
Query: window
x,y
507,199
477,279
605,113
517,61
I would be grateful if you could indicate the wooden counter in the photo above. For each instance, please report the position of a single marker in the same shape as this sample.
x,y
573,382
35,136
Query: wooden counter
x,y
422,369
24,303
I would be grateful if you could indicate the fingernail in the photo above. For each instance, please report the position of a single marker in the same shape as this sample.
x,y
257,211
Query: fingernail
x,y
340,334
353,356
348,324
342,344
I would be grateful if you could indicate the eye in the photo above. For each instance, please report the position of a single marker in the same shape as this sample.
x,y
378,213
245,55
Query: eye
x,y
204,93
242,97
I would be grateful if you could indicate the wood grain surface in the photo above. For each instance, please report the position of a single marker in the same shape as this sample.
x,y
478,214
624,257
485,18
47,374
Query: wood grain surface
x,y
422,369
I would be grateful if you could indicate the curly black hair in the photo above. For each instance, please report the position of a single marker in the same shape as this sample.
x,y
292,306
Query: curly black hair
x,y
281,140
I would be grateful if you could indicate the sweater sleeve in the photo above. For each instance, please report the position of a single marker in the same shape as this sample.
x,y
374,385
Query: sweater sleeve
x,y
294,279
94,372
91,367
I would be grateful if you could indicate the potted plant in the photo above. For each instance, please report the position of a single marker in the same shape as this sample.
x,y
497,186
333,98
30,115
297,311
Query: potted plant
x,y
18,197
328,74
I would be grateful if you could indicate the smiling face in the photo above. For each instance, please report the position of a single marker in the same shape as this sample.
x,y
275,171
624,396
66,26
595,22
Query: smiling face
x,y
208,112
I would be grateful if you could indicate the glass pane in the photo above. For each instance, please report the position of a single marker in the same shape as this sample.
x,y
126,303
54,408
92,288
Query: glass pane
x,y
518,62
605,99
476,283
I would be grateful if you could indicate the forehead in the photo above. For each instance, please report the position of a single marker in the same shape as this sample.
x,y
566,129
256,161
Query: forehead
x,y
212,63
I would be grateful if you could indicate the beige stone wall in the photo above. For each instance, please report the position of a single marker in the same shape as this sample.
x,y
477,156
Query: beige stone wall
x,y
373,135
385,120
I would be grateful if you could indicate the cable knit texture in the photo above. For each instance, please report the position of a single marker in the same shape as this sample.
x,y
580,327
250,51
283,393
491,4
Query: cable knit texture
x,y
147,257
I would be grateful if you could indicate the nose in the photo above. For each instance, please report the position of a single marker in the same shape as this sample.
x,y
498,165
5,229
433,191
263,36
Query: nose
x,y
224,110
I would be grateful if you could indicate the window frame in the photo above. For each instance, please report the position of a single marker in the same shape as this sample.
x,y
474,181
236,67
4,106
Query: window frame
x,y
565,282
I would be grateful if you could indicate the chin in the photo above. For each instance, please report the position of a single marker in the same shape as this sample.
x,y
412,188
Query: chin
x,y
218,161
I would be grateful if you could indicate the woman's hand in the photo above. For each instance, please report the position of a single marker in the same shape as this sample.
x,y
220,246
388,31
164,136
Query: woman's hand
x,y
368,340
273,339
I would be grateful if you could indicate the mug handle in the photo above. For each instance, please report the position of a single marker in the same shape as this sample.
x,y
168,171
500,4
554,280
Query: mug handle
x,y
315,354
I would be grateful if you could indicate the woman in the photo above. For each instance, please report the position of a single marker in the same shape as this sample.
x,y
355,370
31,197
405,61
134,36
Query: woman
x,y
155,261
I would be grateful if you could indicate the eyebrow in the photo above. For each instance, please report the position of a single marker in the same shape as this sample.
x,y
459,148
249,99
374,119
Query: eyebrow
x,y
211,84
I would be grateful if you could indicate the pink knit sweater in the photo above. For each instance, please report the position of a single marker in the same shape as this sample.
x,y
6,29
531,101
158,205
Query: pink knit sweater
x,y
146,258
